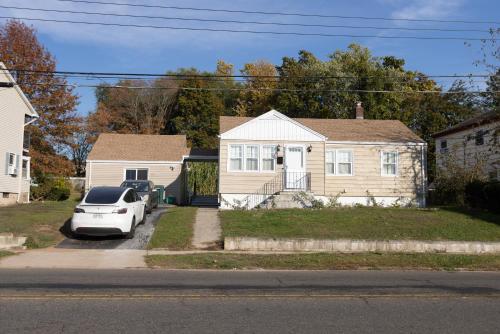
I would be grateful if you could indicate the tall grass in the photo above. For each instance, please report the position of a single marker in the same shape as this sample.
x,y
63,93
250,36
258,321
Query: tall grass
x,y
203,176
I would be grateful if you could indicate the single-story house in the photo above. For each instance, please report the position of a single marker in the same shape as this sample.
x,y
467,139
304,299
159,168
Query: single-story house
x,y
473,142
16,112
351,161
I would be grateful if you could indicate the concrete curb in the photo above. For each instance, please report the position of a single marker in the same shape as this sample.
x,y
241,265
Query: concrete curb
x,y
360,246
9,241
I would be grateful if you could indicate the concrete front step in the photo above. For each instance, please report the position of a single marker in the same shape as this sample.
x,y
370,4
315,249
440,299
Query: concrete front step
x,y
288,200
9,241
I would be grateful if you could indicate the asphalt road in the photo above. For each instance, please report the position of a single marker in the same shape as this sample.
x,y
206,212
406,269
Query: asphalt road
x,y
143,233
157,301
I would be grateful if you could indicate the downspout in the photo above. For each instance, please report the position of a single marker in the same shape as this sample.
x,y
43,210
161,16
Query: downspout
x,y
20,184
423,166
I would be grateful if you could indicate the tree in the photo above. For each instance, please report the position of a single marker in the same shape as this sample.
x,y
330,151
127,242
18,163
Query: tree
x,y
48,93
257,97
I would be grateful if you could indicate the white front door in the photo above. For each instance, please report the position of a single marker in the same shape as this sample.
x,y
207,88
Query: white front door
x,y
295,169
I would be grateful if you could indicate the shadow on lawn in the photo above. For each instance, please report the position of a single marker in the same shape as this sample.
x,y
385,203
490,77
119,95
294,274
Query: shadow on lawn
x,y
487,216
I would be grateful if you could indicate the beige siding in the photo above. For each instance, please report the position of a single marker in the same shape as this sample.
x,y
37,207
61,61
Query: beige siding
x,y
12,111
367,179
251,182
462,148
113,174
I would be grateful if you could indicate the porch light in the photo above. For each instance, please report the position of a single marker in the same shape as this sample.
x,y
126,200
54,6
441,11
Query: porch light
x,y
278,148
309,149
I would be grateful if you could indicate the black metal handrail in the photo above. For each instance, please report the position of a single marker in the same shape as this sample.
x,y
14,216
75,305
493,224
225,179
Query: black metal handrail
x,y
284,180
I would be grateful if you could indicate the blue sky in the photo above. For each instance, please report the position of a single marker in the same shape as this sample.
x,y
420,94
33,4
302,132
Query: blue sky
x,y
126,49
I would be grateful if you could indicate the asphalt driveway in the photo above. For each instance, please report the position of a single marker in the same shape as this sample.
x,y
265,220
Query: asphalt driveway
x,y
143,233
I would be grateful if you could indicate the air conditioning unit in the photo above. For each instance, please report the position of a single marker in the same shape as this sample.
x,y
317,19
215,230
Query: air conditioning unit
x,y
12,170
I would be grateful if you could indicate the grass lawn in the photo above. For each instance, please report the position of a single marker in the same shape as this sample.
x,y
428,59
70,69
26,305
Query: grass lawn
x,y
5,253
39,221
174,230
325,261
364,223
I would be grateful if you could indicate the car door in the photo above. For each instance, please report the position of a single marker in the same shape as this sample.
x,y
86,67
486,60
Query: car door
x,y
138,207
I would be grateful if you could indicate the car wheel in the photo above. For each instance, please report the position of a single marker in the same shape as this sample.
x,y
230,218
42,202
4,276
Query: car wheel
x,y
144,216
131,234
148,210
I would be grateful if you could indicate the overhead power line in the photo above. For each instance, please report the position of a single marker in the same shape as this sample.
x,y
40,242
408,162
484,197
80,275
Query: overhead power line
x,y
275,13
173,18
272,89
277,33
187,75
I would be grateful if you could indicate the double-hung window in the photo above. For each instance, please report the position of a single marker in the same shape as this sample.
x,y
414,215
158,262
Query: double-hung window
x,y
236,157
389,163
344,162
252,158
136,174
339,162
330,162
268,158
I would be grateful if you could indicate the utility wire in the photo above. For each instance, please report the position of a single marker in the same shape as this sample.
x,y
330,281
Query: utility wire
x,y
272,89
275,13
241,22
118,74
277,33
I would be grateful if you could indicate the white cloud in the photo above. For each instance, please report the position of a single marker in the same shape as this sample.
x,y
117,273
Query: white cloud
x,y
426,9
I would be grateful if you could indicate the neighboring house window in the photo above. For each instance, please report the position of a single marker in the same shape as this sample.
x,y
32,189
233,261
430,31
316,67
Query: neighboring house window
x,y
236,157
11,164
330,162
252,158
268,158
480,137
136,174
25,169
389,163
344,162
444,146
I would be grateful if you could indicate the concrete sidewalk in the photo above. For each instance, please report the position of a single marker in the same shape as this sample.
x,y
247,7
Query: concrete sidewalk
x,y
76,259
207,230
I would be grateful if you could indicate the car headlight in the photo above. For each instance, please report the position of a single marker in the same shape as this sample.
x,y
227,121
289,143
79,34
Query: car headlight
x,y
145,198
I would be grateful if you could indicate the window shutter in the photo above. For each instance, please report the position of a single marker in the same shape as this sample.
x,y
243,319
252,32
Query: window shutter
x,y
7,156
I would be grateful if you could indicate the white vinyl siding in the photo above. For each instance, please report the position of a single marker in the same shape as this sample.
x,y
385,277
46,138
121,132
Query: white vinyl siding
x,y
236,157
389,163
268,158
252,158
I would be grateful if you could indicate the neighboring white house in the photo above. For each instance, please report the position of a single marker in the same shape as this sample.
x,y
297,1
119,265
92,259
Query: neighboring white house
x,y
15,113
471,143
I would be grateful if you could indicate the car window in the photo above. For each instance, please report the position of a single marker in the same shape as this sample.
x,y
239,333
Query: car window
x,y
103,195
129,197
138,186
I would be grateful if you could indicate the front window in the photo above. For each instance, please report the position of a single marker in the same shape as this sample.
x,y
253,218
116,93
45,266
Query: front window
x,y
136,174
252,157
344,162
330,162
236,157
268,158
389,163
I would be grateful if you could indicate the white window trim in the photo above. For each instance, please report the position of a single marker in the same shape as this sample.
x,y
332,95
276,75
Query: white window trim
x,y
242,170
336,161
258,158
136,168
382,163
262,158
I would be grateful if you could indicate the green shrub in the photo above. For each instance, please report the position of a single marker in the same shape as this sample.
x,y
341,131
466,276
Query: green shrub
x,y
492,194
51,189
475,196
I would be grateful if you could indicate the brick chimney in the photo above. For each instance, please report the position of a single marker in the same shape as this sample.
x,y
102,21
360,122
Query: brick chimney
x,y
359,111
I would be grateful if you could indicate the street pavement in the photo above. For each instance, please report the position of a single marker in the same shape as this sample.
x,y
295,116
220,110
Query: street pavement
x,y
160,301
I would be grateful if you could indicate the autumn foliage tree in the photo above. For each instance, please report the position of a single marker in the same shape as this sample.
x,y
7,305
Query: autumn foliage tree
x,y
47,92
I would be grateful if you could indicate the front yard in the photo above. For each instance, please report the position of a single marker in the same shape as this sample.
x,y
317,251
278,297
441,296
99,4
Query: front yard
x,y
39,221
174,229
364,223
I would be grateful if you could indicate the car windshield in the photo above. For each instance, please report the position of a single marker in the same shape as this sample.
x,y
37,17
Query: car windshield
x,y
104,195
138,186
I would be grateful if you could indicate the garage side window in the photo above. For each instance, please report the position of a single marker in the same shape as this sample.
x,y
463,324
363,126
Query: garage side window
x,y
136,174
